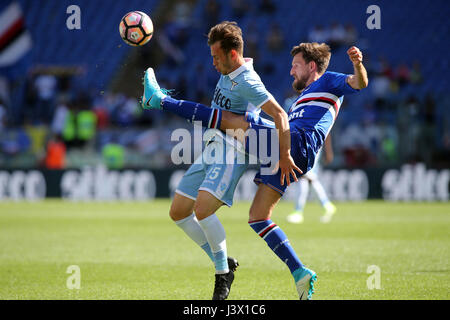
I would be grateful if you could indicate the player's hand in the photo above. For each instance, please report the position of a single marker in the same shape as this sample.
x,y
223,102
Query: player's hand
x,y
287,167
355,55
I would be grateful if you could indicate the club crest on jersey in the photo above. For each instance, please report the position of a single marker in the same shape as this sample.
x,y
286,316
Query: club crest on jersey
x,y
233,84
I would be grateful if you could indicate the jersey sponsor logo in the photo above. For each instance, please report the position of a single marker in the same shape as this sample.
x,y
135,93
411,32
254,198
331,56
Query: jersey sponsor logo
x,y
298,114
221,100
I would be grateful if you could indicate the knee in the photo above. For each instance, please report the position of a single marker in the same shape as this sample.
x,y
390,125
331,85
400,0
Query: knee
x,y
201,211
256,214
177,214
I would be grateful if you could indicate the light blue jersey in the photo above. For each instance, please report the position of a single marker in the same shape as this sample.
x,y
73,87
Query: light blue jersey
x,y
240,91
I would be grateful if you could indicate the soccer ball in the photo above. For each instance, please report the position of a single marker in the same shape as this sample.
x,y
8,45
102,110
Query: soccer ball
x,y
136,28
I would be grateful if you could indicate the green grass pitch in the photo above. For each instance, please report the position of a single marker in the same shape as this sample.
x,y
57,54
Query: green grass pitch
x,y
134,251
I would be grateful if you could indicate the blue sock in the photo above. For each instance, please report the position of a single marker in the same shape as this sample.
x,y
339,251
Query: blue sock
x,y
221,261
277,241
209,117
208,251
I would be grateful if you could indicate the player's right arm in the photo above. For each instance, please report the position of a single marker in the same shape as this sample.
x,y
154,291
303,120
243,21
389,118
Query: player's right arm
x,y
235,121
359,79
280,118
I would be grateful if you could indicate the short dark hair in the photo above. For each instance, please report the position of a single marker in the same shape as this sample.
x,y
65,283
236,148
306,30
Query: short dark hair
x,y
230,36
313,51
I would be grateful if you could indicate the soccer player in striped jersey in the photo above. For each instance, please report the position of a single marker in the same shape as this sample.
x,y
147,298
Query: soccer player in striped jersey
x,y
311,118
207,185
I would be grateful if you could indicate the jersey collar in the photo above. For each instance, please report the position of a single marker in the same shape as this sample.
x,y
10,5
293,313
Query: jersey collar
x,y
248,65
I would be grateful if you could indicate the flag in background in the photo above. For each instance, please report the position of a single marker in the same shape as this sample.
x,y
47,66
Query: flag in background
x,y
15,39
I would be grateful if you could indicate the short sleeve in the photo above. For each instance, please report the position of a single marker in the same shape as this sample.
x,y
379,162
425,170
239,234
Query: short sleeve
x,y
337,84
254,91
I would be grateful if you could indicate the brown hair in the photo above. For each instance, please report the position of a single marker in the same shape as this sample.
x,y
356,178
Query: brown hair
x,y
230,36
313,51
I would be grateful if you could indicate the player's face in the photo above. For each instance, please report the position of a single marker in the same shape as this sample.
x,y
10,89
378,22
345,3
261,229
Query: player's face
x,y
300,71
221,60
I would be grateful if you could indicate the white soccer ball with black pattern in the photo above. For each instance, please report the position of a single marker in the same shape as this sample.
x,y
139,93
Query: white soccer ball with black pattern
x,y
136,28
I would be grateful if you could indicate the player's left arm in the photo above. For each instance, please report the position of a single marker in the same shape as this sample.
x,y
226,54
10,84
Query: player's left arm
x,y
359,79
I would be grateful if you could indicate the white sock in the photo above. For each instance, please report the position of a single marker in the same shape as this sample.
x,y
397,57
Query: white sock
x,y
215,233
303,196
320,191
192,228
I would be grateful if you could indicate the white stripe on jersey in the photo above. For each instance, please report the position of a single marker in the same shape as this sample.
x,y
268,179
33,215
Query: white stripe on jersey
x,y
318,104
317,95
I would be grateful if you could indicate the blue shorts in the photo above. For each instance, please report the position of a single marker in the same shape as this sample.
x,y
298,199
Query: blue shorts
x,y
219,179
301,151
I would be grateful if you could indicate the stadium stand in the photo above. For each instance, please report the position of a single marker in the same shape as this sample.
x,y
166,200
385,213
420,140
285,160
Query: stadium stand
x,y
406,62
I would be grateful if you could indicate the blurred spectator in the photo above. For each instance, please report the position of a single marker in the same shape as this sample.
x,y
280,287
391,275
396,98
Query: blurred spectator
x,y
113,156
240,8
182,13
55,157
45,86
59,118
37,134
101,112
416,73
427,137
408,127
351,35
388,144
251,40
80,124
14,141
275,38
383,67
403,74
319,34
126,111
337,35
380,86
177,28
173,54
356,143
211,16
267,6
200,83
86,125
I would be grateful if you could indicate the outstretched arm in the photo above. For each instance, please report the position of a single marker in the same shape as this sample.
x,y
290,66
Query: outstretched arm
x,y
359,79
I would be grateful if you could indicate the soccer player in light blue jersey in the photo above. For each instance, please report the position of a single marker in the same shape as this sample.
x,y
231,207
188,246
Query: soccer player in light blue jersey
x,y
311,118
205,187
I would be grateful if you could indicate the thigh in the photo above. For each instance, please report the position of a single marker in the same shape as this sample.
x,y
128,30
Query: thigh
x,y
181,207
264,202
221,181
192,180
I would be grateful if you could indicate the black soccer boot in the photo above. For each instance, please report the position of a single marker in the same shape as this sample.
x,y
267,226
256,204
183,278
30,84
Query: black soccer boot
x,y
222,285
